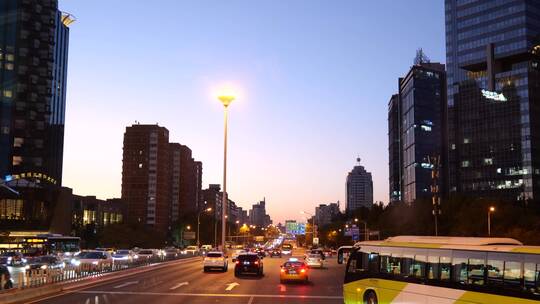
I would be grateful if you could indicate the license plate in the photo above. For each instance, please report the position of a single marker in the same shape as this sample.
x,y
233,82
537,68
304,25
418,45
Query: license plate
x,y
292,272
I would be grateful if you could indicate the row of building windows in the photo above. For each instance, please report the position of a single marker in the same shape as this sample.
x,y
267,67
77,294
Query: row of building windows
x,y
490,28
503,12
482,42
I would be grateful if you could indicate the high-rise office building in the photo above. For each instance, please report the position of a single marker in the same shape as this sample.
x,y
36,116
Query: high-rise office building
x,y
258,216
34,42
416,131
394,149
34,38
146,175
359,188
493,76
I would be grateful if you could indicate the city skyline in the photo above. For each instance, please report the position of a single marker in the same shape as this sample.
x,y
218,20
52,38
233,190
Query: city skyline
x,y
164,72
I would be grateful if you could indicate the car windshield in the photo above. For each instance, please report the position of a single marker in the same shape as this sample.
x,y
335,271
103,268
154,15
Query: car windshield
x,y
314,256
90,255
146,252
214,255
122,252
191,248
293,264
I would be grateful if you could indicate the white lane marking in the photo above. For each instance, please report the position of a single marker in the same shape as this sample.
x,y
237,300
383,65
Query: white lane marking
x,y
282,288
179,285
126,284
230,286
250,300
180,294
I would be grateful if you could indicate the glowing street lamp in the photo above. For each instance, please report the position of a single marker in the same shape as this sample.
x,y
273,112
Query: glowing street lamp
x,y
490,211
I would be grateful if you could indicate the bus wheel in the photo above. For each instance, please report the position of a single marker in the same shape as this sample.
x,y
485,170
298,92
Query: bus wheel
x,y
370,298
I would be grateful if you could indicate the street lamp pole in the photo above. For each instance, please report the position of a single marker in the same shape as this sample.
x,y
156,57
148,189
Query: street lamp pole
x,y
199,223
226,101
491,210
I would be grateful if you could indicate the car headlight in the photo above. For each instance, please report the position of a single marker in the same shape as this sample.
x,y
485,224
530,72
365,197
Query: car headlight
x,y
43,267
95,262
75,262
9,259
24,260
136,256
27,267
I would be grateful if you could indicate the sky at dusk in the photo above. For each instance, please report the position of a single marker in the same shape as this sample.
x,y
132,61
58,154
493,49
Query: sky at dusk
x,y
314,79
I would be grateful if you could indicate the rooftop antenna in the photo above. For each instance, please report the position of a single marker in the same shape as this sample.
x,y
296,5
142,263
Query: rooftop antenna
x,y
358,159
421,57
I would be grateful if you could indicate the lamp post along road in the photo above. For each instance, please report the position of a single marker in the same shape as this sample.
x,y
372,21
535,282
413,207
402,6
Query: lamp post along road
x,y
199,223
226,101
491,210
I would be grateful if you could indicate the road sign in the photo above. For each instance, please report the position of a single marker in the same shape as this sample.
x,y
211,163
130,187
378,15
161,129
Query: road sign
x,y
189,235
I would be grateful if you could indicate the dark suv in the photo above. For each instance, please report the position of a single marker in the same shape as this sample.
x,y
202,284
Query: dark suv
x,y
274,252
248,263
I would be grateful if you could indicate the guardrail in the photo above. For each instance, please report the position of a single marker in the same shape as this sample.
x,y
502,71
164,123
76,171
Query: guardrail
x,y
30,278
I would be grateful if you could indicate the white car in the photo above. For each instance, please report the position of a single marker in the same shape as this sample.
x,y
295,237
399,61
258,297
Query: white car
x,y
124,255
236,253
215,259
93,260
193,250
146,254
314,260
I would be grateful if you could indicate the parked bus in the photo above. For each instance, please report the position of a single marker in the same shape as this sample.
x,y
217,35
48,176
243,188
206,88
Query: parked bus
x,y
418,269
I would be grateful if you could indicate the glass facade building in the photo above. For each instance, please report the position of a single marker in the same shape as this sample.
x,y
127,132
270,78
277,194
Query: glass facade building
x,y
493,98
417,116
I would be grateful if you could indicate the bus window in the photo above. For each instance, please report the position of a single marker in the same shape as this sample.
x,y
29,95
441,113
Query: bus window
x,y
531,272
445,263
459,265
419,266
357,262
495,272
433,270
390,264
407,265
512,275
373,265
476,272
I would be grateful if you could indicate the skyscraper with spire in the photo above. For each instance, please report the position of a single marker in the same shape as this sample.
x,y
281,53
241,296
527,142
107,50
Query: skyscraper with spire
x,y
359,187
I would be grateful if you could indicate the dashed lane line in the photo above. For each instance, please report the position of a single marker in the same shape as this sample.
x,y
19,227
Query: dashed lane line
x,y
142,293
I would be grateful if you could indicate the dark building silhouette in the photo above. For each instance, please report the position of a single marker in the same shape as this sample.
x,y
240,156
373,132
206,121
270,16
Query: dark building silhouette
x,y
493,93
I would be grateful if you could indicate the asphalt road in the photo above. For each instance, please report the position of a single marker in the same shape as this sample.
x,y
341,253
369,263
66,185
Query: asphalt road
x,y
187,283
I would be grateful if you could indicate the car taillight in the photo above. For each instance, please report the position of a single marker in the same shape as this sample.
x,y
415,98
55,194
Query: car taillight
x,y
302,270
282,269
237,262
256,263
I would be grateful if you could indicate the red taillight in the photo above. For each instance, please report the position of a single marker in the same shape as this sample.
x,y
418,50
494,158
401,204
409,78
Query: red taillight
x,y
302,270
237,262
256,263
282,270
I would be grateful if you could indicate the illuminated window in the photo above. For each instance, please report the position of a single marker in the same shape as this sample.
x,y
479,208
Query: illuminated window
x,y
140,165
9,66
466,141
18,142
17,160
465,164
10,57
425,128
453,146
8,93
488,161
11,209
4,130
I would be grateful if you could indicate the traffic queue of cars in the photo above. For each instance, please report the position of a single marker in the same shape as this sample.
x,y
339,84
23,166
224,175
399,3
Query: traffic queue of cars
x,y
249,261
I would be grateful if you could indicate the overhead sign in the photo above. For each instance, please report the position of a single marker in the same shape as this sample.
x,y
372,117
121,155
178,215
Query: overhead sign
x,y
315,241
189,235
295,228
494,95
